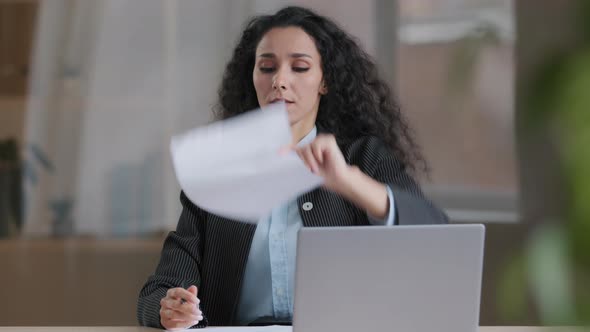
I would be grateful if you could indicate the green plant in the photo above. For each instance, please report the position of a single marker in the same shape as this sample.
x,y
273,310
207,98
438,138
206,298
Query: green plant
x,y
557,252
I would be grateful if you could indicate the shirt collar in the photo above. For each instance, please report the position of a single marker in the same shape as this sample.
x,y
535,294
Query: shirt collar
x,y
309,137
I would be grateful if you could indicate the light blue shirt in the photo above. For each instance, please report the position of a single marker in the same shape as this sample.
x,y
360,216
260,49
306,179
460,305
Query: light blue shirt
x,y
267,288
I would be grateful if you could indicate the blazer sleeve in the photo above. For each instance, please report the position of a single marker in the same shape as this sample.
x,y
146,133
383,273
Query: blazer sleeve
x,y
180,261
411,206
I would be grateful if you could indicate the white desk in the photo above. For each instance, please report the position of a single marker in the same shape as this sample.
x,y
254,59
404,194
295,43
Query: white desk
x,y
147,329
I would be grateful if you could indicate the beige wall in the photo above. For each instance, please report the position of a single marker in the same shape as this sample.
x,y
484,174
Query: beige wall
x,y
12,116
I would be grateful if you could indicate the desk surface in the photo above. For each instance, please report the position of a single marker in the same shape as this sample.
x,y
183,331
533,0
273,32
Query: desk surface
x,y
146,329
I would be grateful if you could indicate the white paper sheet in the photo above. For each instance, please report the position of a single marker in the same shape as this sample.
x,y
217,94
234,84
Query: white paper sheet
x,y
233,168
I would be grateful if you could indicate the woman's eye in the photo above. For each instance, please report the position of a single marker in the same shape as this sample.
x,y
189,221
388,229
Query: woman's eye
x,y
300,69
267,69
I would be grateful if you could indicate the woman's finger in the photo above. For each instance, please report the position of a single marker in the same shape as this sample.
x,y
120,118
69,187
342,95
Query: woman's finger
x,y
286,149
175,315
310,159
178,305
302,157
181,293
317,148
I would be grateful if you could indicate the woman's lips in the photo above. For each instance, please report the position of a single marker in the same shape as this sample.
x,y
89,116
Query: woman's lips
x,y
278,100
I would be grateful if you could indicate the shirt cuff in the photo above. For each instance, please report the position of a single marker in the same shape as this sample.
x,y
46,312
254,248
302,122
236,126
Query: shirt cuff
x,y
389,219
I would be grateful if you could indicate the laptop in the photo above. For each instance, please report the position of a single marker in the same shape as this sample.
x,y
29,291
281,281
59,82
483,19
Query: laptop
x,y
404,278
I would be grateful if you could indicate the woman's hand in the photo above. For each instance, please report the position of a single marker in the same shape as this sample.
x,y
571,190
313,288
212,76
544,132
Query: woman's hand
x,y
324,158
179,309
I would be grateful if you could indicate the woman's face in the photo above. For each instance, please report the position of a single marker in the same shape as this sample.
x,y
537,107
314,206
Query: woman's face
x,y
288,67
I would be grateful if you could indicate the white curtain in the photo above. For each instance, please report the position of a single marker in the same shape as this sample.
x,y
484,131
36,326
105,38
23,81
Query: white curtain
x,y
111,82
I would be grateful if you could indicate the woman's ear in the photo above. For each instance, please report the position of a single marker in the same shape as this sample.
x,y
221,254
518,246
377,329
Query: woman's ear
x,y
323,88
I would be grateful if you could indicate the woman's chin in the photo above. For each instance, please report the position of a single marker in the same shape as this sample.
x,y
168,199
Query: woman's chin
x,y
293,116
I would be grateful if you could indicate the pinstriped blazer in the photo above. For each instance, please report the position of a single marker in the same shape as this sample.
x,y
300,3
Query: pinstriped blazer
x,y
210,251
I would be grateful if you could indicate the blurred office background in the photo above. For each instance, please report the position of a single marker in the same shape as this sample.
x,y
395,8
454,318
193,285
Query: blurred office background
x,y
92,91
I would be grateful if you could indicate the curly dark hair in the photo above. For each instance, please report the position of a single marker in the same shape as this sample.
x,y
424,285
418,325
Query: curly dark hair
x,y
358,103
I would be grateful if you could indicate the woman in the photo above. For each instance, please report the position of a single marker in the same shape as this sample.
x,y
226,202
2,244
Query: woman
x,y
346,128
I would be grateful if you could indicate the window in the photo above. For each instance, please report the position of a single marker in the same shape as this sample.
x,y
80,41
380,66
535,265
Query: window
x,y
455,81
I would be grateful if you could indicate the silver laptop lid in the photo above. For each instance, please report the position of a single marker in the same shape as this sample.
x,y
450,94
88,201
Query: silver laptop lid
x,y
400,278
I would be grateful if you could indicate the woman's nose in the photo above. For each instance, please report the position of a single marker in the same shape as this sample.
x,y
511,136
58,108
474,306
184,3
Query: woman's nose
x,y
279,82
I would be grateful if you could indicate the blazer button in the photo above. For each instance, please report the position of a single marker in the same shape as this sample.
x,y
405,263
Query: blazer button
x,y
307,206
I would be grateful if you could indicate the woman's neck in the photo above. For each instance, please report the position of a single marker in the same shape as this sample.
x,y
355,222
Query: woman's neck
x,y
299,132
302,127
